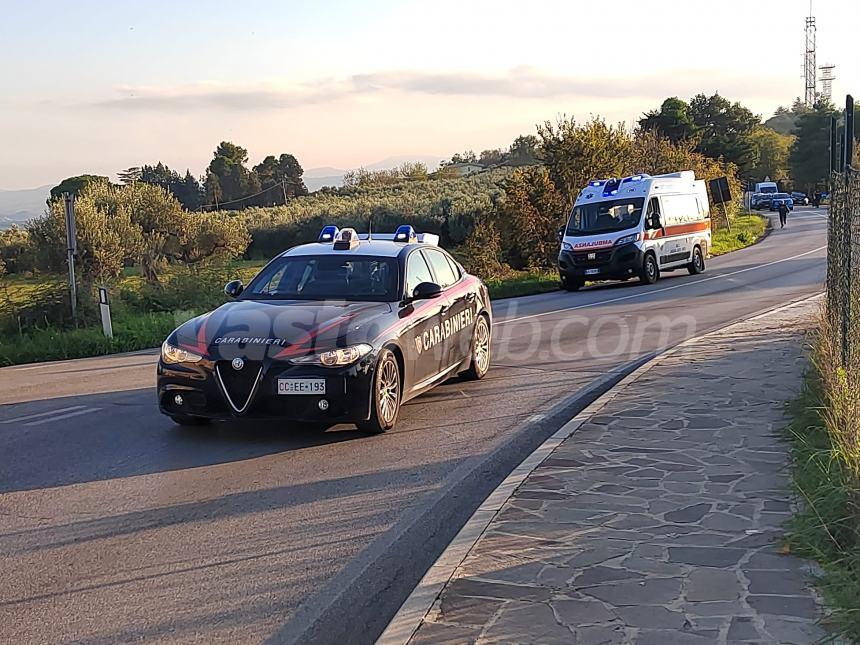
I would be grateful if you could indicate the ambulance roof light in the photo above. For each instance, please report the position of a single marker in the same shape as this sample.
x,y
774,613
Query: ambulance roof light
x,y
328,234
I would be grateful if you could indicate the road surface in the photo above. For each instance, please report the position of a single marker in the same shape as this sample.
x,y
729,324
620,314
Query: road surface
x,y
117,525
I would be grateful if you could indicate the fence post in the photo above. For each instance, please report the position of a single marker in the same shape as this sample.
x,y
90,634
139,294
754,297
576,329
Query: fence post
x,y
848,156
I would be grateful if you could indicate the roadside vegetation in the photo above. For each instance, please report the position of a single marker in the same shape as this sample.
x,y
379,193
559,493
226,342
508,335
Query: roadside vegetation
x,y
746,230
164,242
826,464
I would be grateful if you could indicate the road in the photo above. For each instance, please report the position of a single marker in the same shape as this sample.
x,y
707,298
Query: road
x,y
118,525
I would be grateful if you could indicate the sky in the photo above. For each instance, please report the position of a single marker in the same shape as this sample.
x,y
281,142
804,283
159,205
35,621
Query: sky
x,y
95,86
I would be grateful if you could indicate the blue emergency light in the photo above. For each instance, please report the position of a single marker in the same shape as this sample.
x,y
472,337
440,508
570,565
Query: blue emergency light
x,y
328,234
405,233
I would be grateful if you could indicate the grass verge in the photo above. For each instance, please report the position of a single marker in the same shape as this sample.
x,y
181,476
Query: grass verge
x,y
130,334
746,230
523,284
827,525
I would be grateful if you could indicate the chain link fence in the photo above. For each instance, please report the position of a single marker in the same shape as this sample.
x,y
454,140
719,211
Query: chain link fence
x,y
843,270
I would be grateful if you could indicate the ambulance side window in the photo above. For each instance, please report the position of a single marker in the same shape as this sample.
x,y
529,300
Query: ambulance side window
x,y
652,218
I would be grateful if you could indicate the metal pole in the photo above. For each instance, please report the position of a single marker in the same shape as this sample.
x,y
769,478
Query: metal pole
x,y
848,153
71,249
834,147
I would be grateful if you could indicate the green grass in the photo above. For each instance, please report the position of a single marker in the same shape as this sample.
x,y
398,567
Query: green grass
x,y
746,230
130,333
827,526
525,283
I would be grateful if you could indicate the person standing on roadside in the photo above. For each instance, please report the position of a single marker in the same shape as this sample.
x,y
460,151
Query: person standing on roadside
x,y
783,214
816,199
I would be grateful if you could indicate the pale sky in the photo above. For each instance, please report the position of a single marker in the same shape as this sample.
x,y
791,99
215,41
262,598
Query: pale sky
x,y
96,86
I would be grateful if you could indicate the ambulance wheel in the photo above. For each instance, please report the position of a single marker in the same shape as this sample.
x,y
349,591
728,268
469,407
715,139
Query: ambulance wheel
x,y
650,271
481,341
697,265
572,284
385,401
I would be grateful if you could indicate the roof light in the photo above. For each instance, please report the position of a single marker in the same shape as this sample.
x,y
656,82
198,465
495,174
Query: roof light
x,y
405,233
430,239
346,239
328,234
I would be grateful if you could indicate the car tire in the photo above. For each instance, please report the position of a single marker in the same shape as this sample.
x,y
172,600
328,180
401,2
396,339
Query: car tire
x,y
697,264
385,395
650,271
187,421
481,350
572,284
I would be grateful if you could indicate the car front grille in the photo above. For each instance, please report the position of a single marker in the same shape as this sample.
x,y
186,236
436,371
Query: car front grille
x,y
239,386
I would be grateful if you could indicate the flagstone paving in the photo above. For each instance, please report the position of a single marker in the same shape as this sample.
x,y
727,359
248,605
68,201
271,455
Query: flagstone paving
x,y
659,520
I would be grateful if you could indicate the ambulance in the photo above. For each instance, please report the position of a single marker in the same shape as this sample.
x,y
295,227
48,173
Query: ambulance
x,y
636,227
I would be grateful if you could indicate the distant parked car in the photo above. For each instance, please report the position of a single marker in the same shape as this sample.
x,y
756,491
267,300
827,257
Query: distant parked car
x,y
781,198
800,198
760,201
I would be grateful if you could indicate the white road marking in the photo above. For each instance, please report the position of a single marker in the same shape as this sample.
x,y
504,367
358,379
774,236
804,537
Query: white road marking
x,y
640,294
42,414
60,417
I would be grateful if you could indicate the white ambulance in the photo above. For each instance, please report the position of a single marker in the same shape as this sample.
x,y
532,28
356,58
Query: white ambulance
x,y
638,226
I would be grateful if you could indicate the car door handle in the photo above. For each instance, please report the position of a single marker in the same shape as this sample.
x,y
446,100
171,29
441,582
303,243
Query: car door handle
x,y
444,309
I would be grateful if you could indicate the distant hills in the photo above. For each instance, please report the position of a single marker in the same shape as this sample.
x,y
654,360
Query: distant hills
x,y
316,178
17,206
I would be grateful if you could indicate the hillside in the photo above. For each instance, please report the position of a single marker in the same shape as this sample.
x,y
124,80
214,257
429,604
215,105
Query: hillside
x,y
17,206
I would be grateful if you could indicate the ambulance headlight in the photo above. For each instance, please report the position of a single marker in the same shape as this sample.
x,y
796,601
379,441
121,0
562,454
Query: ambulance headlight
x,y
627,239
567,246
336,357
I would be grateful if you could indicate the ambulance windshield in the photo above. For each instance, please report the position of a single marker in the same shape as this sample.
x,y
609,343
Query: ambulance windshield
x,y
605,217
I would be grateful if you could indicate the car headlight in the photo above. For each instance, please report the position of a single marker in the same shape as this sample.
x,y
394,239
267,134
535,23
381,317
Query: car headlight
x,y
627,239
567,246
336,357
171,354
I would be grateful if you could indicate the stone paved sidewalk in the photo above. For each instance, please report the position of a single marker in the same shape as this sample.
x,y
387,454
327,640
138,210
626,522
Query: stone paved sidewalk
x,y
658,521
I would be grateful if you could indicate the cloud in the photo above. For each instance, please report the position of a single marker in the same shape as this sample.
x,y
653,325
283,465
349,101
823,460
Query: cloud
x,y
522,83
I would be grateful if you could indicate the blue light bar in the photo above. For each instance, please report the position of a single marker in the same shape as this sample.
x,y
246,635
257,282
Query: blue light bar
x,y
328,234
405,233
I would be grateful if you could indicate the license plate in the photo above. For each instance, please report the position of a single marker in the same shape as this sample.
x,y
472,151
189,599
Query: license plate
x,y
592,271
301,386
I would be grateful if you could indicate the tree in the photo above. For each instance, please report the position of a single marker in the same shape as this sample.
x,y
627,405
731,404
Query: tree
x,y
724,129
493,157
809,159
772,150
229,183
465,157
529,217
129,175
74,185
524,150
280,178
672,121
575,154
186,189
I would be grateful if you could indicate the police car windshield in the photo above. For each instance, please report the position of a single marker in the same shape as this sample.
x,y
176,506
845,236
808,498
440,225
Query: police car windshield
x,y
605,217
326,277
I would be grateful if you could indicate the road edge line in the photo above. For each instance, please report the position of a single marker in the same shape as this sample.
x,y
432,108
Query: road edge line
x,y
420,602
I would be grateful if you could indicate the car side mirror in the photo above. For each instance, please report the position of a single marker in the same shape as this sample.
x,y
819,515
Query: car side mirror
x,y
233,288
560,233
426,291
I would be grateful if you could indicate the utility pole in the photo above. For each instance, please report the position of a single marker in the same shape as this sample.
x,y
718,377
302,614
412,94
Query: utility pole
x,y
71,249
284,187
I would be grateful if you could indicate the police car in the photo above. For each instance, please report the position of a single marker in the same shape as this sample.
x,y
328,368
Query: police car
x,y
345,329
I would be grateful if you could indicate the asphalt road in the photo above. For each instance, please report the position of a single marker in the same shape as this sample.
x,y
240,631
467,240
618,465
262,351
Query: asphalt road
x,y
116,525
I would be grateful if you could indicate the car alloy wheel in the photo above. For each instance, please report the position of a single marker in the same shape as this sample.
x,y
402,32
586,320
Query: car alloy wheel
x,y
388,392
